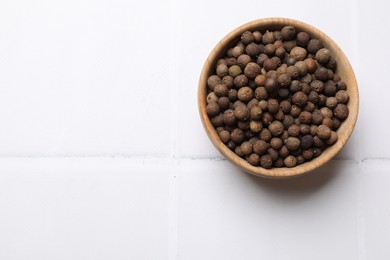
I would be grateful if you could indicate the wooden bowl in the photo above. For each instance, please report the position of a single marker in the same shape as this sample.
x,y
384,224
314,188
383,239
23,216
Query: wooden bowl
x,y
344,69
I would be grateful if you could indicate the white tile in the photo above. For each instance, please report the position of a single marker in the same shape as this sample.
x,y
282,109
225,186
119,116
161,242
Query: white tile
x,y
375,208
374,93
84,77
197,42
83,209
226,214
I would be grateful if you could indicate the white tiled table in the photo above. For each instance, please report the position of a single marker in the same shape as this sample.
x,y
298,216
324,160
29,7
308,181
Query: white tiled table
x,y
103,156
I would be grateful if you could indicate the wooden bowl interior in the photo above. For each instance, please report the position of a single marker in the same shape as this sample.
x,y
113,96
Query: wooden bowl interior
x,y
344,69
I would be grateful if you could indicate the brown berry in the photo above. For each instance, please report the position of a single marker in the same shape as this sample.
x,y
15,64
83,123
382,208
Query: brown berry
x,y
252,49
235,70
276,143
254,159
342,96
299,98
298,53
266,161
276,128
268,37
323,56
269,49
341,111
307,154
271,85
307,142
212,109
229,118
293,72
305,117
321,73
245,94
213,80
303,39
255,126
331,102
237,136
241,113
284,152
217,120
290,161
269,64
273,106
314,45
255,113
294,130
333,138
265,135
292,143
260,147
324,132
243,60
247,37
317,117
224,136
252,69
330,88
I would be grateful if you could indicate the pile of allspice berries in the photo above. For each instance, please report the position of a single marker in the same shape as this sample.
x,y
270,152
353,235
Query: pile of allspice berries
x,y
275,98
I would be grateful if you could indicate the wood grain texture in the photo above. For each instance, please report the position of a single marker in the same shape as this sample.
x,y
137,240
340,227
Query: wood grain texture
x,y
344,69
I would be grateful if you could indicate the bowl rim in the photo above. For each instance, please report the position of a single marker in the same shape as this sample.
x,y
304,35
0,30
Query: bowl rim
x,y
347,125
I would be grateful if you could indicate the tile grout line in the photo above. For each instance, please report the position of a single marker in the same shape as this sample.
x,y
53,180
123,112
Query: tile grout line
x,y
174,49
361,227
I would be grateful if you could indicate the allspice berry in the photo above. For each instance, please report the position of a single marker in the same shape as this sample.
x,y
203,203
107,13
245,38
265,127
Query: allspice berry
x,y
252,69
252,49
276,128
292,143
285,106
290,161
225,136
303,39
268,37
265,135
332,139
223,103
288,33
266,161
342,96
321,73
222,70
294,130
307,142
323,56
235,70
341,111
243,60
298,53
213,80
284,80
273,106
240,81
254,159
331,102
271,85
260,147
247,37
316,117
237,51
299,98
246,148
245,94
237,136
276,143
255,126
324,132
241,113
229,118
305,117
269,64
255,113
284,152
221,90
314,45
212,109
211,97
